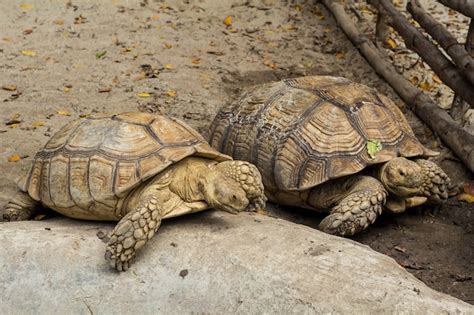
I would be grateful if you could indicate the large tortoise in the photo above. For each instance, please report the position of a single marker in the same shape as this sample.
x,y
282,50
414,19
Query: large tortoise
x,y
137,169
329,144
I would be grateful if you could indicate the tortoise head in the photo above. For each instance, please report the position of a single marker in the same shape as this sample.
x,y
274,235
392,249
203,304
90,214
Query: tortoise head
x,y
402,177
235,186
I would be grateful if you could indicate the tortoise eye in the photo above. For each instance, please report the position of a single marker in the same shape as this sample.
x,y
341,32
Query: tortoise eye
x,y
401,172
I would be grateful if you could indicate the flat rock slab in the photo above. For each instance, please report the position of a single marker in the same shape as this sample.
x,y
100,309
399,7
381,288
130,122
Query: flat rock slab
x,y
210,262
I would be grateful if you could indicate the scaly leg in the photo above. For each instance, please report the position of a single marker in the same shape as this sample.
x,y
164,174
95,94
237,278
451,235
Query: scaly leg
x,y
358,201
435,181
132,232
21,207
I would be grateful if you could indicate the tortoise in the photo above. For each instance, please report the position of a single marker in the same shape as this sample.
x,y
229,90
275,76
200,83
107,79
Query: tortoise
x,y
137,169
328,144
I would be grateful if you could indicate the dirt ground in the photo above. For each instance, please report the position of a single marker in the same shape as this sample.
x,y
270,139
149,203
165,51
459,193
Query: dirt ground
x,y
63,59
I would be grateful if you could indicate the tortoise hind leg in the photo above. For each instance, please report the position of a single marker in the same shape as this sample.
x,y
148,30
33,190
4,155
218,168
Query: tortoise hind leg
x,y
356,201
20,207
132,232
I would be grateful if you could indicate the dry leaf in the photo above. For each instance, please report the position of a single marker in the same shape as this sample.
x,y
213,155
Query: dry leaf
x,y
196,61
143,94
13,126
425,86
466,197
168,66
391,43
9,87
468,187
340,55
26,6
14,158
167,45
30,53
63,112
27,31
269,63
228,20
58,21
66,89
171,93
436,79
38,123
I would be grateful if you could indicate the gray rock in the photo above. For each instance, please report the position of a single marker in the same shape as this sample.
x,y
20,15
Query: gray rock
x,y
209,262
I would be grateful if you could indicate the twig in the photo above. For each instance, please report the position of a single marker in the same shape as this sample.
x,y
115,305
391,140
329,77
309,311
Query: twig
x,y
460,57
465,7
459,140
427,50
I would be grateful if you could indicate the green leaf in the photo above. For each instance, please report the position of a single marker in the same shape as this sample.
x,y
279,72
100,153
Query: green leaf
x,y
100,54
373,146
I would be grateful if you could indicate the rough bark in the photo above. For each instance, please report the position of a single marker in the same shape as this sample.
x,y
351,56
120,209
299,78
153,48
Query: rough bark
x,y
465,7
415,41
439,33
460,107
459,140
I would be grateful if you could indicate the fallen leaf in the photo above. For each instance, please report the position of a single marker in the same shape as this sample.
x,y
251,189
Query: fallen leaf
x,y
38,123
171,93
14,158
63,112
228,20
425,85
58,22
143,94
466,197
391,43
167,45
9,87
468,187
13,126
100,54
30,53
436,79
340,55
27,31
66,89
168,66
105,90
196,61
373,146
26,6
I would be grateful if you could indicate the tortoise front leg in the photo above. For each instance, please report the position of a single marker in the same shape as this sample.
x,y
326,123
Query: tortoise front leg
x,y
20,207
132,232
435,181
358,201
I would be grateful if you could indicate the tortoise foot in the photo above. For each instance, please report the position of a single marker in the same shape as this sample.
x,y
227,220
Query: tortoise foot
x,y
354,213
131,234
435,181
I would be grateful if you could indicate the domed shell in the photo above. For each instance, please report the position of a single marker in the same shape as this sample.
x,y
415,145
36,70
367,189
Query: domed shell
x,y
93,162
303,132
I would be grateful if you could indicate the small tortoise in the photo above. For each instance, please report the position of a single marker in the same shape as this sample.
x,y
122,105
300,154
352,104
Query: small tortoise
x,y
137,169
314,139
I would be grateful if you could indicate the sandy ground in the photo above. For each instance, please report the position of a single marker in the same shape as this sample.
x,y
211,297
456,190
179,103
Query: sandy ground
x,y
68,59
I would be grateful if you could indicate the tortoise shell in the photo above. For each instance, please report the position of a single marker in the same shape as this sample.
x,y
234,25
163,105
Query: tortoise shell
x,y
92,163
303,132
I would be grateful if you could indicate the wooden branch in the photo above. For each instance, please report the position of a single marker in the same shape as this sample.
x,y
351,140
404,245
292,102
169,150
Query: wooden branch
x,y
459,140
414,40
459,107
459,55
465,7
